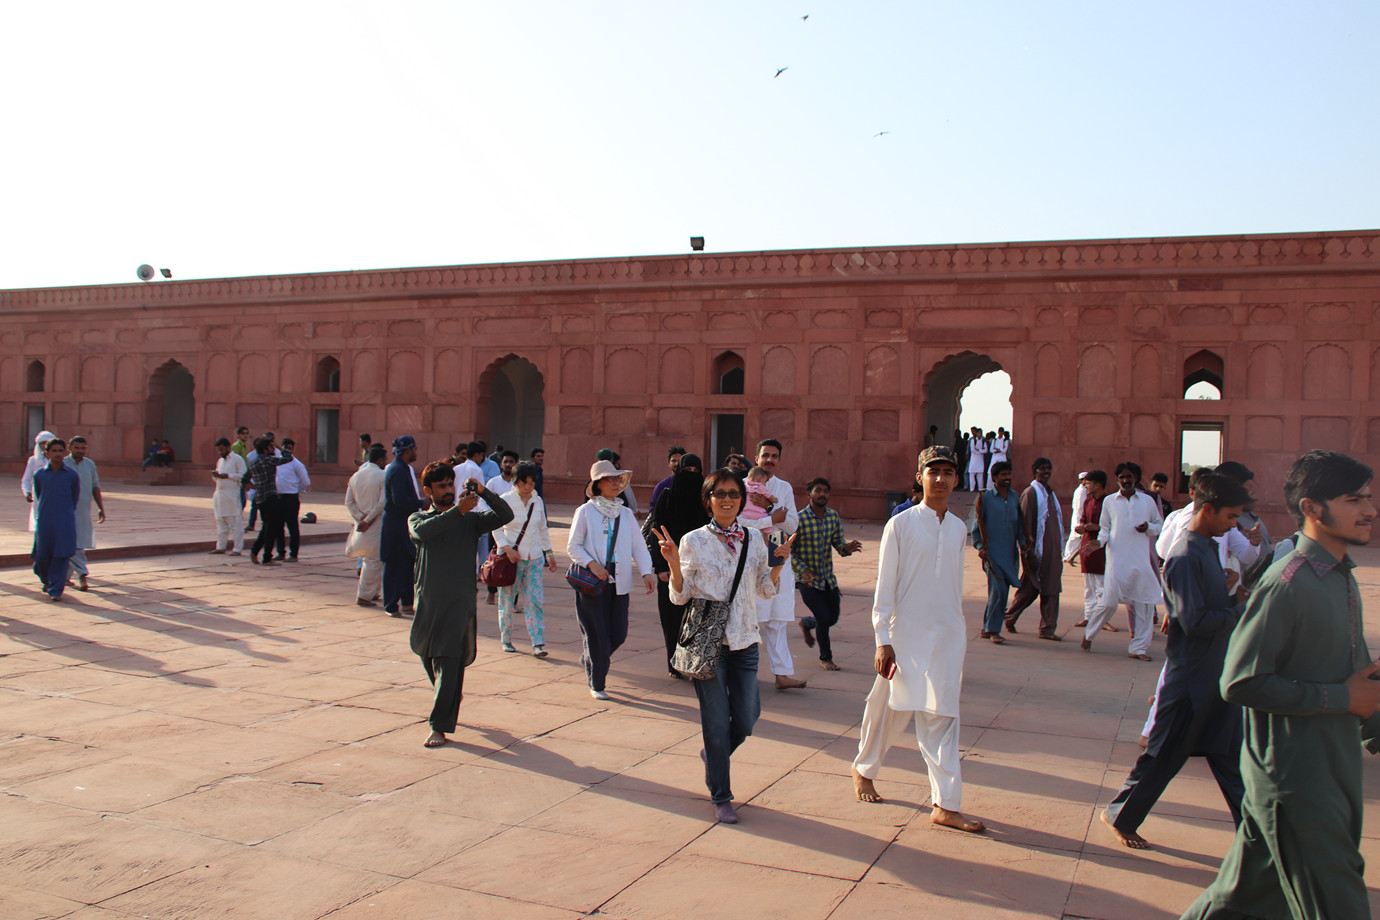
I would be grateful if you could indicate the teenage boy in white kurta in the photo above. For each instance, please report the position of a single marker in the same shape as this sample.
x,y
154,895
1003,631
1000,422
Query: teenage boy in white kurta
x,y
921,639
1130,522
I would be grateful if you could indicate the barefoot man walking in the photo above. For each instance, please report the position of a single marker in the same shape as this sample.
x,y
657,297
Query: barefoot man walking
x,y
921,639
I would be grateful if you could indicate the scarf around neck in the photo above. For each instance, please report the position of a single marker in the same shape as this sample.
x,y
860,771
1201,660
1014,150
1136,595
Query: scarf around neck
x,y
608,507
730,534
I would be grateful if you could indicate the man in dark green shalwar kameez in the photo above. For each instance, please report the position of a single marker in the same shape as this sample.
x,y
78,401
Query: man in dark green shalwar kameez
x,y
445,623
1299,664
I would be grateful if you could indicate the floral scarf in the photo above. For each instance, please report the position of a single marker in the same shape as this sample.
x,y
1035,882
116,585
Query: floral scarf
x,y
608,507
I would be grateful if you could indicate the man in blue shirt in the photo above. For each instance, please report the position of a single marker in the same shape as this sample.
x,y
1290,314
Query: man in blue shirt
x,y
57,489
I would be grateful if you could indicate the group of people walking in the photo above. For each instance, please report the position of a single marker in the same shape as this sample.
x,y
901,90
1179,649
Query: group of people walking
x,y
62,484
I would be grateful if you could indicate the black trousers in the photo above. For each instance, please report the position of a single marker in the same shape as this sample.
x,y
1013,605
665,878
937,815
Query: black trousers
x,y
825,607
1178,735
288,506
270,529
603,622
398,584
672,616
447,676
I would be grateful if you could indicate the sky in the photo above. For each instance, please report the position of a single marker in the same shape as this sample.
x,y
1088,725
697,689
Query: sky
x,y
302,136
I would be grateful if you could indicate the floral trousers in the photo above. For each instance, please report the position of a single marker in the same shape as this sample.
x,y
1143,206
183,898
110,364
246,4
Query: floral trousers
x,y
524,594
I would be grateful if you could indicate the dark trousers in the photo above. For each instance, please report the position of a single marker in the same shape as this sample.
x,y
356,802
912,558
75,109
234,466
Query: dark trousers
x,y
729,707
447,675
270,528
1025,596
52,571
397,582
672,616
253,513
288,506
603,627
1177,741
825,607
997,593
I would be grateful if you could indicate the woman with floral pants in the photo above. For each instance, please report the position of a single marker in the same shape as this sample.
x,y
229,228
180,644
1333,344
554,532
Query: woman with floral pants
x,y
530,550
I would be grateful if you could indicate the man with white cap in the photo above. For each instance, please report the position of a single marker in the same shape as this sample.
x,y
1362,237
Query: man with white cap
x,y
37,462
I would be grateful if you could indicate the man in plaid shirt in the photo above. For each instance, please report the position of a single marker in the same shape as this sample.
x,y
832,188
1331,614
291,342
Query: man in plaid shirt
x,y
820,528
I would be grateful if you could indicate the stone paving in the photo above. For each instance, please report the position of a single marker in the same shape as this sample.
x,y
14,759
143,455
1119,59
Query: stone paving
x,y
199,737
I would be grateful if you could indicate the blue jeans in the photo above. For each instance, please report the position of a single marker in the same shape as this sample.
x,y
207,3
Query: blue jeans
x,y
998,590
729,707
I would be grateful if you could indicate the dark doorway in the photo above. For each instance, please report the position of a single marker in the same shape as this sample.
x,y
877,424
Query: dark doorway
x,y
512,409
726,437
171,409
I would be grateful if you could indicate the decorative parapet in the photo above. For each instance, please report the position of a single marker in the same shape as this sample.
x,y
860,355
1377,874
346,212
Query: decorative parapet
x,y
1354,250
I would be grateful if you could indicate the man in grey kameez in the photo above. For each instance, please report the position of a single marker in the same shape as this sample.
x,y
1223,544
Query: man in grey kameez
x,y
1298,662
445,623
85,467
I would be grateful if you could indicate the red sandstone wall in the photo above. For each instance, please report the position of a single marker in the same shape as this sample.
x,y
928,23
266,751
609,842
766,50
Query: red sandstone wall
x,y
840,350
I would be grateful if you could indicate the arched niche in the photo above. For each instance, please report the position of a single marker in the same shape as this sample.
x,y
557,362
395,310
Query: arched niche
x,y
328,374
728,374
1204,367
944,386
34,377
170,411
511,408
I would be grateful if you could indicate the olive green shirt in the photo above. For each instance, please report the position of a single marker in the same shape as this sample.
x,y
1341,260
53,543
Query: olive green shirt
x,y
445,621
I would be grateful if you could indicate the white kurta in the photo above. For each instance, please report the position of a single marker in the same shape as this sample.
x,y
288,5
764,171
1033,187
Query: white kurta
x,y
999,449
90,482
1232,543
781,609
1131,577
1076,509
918,608
364,499
225,501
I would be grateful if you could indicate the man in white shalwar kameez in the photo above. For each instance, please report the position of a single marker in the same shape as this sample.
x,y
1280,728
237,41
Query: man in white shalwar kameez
x,y
1130,522
1076,539
921,639
364,499
225,501
85,467
776,615
26,482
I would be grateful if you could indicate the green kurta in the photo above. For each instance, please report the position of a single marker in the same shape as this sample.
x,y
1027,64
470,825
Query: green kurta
x,y
447,544
1297,852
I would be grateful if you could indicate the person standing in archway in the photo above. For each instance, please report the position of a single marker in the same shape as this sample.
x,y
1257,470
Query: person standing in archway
x,y
1042,555
999,451
977,461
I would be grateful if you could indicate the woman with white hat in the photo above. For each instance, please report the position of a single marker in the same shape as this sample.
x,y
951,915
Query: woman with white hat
x,y
604,538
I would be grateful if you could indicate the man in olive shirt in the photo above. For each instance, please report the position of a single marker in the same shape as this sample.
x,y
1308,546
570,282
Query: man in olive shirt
x,y
445,622
1298,662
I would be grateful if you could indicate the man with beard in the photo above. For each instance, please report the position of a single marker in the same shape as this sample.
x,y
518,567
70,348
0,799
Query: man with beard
x,y
1041,559
775,614
401,499
446,622
820,530
1299,664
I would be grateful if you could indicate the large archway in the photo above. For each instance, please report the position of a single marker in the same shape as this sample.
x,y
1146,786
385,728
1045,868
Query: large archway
x,y
944,387
171,409
512,409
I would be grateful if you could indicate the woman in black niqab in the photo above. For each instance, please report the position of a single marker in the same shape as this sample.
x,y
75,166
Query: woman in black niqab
x,y
679,509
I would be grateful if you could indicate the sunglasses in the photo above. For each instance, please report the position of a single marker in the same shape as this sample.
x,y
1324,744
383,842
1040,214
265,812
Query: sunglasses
x,y
722,496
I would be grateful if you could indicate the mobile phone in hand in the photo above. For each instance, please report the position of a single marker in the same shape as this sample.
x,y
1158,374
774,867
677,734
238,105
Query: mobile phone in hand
x,y
890,670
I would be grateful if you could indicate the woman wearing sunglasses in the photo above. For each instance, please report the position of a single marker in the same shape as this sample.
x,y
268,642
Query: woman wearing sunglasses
x,y
704,565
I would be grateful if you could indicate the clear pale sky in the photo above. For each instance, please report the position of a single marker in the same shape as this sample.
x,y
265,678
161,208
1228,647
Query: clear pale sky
x,y
267,138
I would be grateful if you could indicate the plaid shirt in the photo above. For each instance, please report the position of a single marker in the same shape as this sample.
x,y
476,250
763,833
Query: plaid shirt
x,y
810,550
263,473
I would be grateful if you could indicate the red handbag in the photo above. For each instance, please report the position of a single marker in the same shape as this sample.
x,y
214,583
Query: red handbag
x,y
498,571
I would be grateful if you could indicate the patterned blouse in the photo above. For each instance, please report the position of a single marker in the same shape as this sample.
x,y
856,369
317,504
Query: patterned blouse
x,y
707,569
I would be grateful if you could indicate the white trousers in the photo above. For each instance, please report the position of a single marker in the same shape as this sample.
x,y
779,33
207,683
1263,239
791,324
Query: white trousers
x,y
937,735
77,567
230,532
1092,594
370,578
774,617
975,480
1155,704
1142,615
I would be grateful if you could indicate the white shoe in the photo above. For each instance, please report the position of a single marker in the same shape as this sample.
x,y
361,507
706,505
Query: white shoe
x,y
599,695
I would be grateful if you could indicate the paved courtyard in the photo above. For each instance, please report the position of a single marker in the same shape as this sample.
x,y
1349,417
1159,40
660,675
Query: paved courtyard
x,y
200,737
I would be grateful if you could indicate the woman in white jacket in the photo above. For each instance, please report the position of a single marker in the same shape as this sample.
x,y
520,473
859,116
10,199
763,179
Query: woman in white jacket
x,y
526,541
604,530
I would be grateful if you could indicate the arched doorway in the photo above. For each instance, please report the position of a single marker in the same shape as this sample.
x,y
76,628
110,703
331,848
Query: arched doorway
x,y
944,391
512,409
171,408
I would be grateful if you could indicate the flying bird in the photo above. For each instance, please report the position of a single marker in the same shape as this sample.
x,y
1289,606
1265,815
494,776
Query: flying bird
x,y
805,17
780,72
880,133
